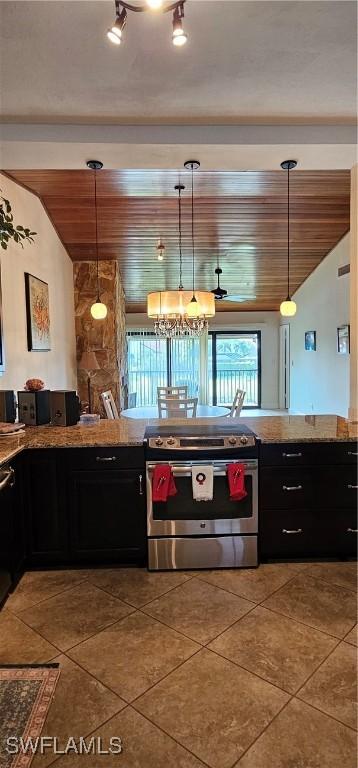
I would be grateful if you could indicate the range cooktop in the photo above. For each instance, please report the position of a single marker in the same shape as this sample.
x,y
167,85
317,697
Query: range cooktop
x,y
188,437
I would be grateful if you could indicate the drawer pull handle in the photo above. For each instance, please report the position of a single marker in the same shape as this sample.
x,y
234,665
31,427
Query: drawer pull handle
x,y
352,530
298,530
106,458
352,487
141,485
292,487
352,453
8,479
292,455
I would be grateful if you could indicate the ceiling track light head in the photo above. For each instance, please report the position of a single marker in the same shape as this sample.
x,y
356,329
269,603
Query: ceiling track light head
x,y
94,165
288,165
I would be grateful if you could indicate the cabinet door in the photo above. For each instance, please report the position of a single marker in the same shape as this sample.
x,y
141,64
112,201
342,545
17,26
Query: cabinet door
x,y
107,512
44,507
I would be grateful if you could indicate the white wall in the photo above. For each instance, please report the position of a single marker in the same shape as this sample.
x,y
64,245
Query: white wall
x,y
320,380
47,259
266,322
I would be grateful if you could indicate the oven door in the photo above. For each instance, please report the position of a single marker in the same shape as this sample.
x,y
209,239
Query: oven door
x,y
182,515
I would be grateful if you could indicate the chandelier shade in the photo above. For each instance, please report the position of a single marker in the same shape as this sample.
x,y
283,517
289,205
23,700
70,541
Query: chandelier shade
x,y
172,303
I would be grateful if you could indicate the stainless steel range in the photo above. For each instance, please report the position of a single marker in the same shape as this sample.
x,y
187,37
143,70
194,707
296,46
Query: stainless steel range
x,y
184,532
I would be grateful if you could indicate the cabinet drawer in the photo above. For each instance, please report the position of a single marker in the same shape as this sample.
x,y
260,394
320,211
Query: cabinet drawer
x,y
336,487
287,534
300,454
105,458
286,488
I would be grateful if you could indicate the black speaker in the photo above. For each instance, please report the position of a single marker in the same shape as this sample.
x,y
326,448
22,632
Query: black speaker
x,y
34,407
65,408
7,405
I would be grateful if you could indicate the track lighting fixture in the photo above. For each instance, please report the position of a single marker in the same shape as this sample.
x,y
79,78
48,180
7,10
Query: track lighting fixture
x,y
179,37
114,34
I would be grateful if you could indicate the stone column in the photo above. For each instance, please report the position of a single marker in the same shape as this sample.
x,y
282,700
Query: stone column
x,y
353,400
106,337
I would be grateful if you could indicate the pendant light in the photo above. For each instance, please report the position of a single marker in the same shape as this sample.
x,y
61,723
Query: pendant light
x,y
98,309
288,307
169,309
219,292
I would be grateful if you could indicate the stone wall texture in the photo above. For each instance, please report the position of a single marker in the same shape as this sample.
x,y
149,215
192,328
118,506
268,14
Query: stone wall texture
x,y
106,338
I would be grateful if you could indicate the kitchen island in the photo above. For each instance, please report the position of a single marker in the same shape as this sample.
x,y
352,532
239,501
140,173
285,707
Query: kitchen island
x,y
80,492
126,433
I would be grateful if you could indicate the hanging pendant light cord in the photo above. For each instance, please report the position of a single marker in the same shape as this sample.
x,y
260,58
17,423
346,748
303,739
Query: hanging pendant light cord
x,y
192,226
180,245
288,232
95,203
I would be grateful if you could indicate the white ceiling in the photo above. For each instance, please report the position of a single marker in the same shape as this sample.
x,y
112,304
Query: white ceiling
x,y
244,61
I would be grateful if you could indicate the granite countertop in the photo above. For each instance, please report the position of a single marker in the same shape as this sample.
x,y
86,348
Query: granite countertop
x,y
130,432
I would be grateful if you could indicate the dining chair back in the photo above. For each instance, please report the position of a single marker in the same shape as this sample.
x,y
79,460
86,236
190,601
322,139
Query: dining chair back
x,y
132,400
109,405
176,392
237,404
183,408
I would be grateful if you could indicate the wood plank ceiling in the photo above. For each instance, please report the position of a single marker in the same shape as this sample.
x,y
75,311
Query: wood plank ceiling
x,y
242,217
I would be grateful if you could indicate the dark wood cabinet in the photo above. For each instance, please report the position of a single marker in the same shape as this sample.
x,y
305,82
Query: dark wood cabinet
x,y
85,505
45,507
12,537
107,516
308,500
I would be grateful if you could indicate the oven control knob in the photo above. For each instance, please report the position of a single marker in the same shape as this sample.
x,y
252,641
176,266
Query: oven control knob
x,y
232,440
243,440
159,441
170,441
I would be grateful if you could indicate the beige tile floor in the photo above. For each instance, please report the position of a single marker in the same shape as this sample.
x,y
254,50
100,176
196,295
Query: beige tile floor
x,y
223,669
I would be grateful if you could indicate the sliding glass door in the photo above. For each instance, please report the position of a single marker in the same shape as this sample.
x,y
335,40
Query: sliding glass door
x,y
231,361
154,362
235,363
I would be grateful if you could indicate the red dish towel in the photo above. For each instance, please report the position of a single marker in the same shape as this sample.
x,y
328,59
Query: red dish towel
x,y
163,484
236,478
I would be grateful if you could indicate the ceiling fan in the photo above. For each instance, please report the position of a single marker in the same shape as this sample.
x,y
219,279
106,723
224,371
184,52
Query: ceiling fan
x,y
222,295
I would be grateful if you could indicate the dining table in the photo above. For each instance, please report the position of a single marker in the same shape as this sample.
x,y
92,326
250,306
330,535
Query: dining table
x,y
151,412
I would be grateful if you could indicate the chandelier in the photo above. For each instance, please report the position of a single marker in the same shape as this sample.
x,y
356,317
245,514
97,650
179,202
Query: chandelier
x,y
182,313
179,37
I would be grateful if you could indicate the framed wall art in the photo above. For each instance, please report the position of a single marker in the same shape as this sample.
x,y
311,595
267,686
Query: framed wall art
x,y
37,314
310,341
343,340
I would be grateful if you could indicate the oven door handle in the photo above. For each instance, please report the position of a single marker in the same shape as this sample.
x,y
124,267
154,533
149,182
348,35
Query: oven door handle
x,y
187,471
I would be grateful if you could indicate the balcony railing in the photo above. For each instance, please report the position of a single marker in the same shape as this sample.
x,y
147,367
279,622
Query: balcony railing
x,y
145,384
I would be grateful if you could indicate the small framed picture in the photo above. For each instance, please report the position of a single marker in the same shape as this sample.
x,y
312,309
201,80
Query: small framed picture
x,y
310,341
38,314
343,340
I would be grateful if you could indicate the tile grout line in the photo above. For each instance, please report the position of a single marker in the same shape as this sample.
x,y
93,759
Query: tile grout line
x,y
139,607
43,600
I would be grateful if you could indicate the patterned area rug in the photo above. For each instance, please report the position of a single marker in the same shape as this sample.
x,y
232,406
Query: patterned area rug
x,y
25,696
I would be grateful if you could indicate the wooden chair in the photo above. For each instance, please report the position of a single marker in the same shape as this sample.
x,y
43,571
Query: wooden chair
x,y
132,400
183,408
176,392
237,404
109,405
